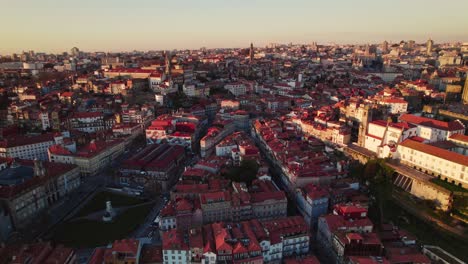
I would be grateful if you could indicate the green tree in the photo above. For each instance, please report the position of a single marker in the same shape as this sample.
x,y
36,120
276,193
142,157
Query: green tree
x,y
245,172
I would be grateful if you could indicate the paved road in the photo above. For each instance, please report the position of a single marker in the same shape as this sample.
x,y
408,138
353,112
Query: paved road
x,y
145,228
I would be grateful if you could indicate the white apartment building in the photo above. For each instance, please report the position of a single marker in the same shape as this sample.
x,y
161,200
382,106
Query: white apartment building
x,y
223,150
167,222
434,130
175,249
192,90
433,160
209,258
45,120
213,137
395,105
26,147
91,158
176,256
272,252
236,88
383,138
155,79
89,122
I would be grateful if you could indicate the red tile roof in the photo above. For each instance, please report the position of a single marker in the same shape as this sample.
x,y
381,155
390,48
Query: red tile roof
x,y
151,254
95,147
367,260
98,256
265,196
315,192
336,222
131,70
174,240
129,247
459,137
287,226
59,150
79,115
347,209
435,151
66,94
33,253
239,248
394,101
20,140
406,255
183,205
424,121
196,238
59,255
191,188
215,197
302,260
221,235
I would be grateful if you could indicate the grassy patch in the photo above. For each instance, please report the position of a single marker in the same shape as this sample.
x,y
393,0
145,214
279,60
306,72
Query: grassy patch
x,y
87,233
98,202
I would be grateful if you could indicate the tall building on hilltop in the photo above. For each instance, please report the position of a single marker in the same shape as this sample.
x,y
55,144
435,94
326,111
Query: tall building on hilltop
x,y
314,46
429,45
75,52
366,118
367,50
385,47
251,52
465,91
168,64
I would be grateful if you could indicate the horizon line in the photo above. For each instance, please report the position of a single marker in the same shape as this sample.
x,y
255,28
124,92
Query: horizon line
x,y
262,45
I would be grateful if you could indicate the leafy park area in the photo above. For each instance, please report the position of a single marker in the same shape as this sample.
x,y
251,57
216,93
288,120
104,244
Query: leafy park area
x,y
384,209
83,232
98,202
89,233
245,172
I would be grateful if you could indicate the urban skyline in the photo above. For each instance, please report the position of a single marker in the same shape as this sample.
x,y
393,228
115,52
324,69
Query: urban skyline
x,y
233,132
55,26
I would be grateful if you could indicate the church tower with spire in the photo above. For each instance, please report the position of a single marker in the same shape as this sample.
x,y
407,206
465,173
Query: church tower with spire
x,y
251,52
168,64
367,50
385,47
429,46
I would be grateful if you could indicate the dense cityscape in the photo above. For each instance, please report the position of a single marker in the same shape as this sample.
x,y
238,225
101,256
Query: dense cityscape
x,y
286,153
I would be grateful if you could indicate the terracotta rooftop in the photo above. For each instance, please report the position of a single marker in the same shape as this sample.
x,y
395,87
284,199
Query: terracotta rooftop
x,y
435,151
20,140
151,254
424,121
302,260
459,137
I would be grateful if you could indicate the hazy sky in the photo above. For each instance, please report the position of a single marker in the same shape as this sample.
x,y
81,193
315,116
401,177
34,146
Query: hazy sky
x,y
117,25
